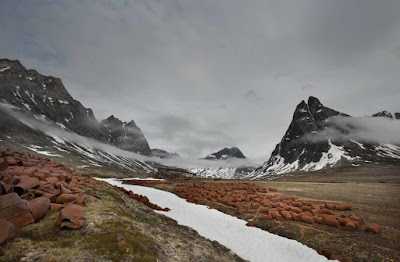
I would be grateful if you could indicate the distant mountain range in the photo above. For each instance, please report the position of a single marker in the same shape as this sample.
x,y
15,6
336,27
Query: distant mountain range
x,y
39,114
226,153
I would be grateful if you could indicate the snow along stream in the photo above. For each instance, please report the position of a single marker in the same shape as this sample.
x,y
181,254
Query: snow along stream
x,y
249,243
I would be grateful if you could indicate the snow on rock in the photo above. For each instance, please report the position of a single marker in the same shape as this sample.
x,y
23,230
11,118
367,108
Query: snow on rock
x,y
5,68
38,149
388,150
221,172
250,243
328,159
63,102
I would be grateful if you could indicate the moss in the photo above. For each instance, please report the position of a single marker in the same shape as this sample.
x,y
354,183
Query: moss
x,y
86,189
121,242
107,191
144,218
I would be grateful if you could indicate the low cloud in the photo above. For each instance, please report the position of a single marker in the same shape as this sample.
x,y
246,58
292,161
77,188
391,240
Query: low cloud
x,y
361,129
52,130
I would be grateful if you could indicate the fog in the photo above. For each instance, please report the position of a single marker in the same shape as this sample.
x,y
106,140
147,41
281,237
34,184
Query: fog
x,y
361,129
52,130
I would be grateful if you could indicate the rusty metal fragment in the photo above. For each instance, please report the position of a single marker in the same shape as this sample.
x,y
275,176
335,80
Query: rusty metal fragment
x,y
71,217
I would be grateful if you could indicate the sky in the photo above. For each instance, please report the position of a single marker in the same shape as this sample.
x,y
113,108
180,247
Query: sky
x,y
197,76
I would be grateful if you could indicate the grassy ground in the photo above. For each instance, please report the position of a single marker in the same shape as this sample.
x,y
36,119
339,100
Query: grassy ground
x,y
117,228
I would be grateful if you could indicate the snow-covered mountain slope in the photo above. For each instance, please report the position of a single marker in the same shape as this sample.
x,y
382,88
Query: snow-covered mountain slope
x,y
226,155
24,132
46,98
319,137
223,172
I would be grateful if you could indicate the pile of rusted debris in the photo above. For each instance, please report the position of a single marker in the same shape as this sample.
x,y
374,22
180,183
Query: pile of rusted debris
x,y
31,186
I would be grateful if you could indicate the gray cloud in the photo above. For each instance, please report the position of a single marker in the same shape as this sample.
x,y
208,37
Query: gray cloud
x,y
361,129
147,60
52,130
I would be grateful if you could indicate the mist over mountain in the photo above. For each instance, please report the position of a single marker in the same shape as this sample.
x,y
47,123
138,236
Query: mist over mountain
x,y
319,137
46,98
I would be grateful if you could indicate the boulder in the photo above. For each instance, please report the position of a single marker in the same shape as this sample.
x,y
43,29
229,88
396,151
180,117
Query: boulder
x,y
72,217
39,207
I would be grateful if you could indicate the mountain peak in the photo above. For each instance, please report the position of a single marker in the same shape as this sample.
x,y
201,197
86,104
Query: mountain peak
x,y
314,102
226,153
384,114
307,144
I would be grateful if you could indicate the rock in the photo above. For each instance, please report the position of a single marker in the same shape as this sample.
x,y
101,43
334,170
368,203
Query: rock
x,y
7,230
72,217
39,207
272,189
374,228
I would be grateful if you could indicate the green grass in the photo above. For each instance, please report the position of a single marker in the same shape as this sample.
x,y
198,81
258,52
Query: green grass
x,y
107,191
121,242
86,189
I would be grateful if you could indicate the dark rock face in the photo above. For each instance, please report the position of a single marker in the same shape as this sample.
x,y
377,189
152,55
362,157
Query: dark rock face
x,y
397,116
306,147
127,136
163,154
383,114
226,153
46,98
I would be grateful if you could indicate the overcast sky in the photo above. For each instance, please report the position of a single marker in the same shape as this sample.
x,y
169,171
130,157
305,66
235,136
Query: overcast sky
x,y
200,75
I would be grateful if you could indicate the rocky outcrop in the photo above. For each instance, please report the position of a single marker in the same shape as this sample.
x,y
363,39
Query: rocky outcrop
x,y
226,153
125,135
307,145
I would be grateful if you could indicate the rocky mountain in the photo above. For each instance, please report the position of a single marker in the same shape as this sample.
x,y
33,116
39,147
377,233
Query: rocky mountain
x,y
229,155
38,113
46,98
314,140
387,115
226,153
163,154
126,135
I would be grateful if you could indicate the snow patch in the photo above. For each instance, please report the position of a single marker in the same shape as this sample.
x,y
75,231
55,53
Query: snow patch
x,y
250,243
5,68
37,149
